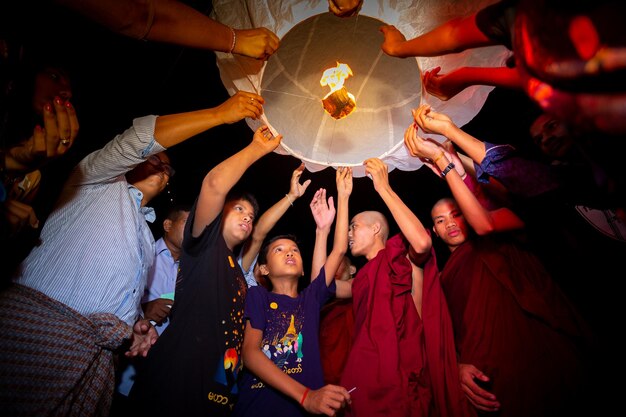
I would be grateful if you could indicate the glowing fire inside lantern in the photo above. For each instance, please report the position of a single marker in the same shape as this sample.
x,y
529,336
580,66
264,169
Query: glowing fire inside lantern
x,y
339,102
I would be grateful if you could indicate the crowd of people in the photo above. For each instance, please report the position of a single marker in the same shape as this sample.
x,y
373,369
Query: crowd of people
x,y
464,312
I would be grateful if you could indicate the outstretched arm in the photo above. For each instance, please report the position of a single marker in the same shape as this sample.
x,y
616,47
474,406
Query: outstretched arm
x,y
343,178
323,213
225,175
175,128
455,35
482,221
269,219
446,86
174,22
409,224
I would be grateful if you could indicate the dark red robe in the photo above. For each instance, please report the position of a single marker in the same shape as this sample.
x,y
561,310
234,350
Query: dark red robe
x,y
400,364
514,324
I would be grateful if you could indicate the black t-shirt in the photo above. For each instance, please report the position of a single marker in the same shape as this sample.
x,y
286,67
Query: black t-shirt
x,y
192,368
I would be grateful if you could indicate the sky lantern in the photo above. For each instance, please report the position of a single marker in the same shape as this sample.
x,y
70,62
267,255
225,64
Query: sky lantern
x,y
338,62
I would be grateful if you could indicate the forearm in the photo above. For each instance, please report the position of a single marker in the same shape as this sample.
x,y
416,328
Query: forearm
x,y
319,252
453,36
271,375
493,76
471,146
221,179
175,128
340,240
175,22
412,229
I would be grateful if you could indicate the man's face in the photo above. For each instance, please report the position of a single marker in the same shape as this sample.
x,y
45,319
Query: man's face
x,y
174,229
156,170
283,259
360,235
449,224
551,136
238,221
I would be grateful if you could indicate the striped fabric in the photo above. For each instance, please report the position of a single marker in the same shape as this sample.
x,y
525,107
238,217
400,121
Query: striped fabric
x,y
54,361
96,245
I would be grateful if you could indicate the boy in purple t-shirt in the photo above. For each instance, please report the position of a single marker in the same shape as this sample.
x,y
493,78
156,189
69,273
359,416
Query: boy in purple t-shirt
x,y
283,372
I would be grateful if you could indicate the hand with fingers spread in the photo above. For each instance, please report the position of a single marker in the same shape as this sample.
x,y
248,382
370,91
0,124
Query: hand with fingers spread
x,y
323,211
327,400
480,398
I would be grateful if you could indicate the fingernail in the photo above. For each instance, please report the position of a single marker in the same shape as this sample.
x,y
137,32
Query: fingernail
x,y
47,107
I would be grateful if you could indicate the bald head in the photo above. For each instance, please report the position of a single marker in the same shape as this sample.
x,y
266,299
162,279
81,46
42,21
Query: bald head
x,y
442,202
369,231
374,218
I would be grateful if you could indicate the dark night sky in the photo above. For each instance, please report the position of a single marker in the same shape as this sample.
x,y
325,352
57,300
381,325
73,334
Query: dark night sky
x,y
117,79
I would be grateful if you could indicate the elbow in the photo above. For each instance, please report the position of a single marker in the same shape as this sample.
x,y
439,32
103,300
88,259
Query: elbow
x,y
485,229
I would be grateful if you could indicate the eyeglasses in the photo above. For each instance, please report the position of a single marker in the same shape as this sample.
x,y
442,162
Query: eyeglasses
x,y
160,165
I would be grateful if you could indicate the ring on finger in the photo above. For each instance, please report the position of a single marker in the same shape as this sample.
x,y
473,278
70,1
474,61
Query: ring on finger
x,y
65,142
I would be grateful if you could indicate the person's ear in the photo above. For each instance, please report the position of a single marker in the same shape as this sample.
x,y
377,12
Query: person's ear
x,y
264,271
376,228
352,270
167,225
435,231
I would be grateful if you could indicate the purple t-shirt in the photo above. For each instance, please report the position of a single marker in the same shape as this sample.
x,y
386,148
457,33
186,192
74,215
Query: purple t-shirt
x,y
290,339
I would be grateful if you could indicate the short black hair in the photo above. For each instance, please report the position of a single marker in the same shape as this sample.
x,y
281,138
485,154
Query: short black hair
x,y
235,194
176,211
262,260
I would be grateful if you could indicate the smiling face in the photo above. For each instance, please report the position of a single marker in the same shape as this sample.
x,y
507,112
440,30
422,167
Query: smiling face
x,y
282,259
551,136
449,223
238,222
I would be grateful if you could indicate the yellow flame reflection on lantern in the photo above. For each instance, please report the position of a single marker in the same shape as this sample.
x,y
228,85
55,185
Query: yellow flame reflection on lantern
x,y
338,102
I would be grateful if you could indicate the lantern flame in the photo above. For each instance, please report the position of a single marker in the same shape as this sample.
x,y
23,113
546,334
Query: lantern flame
x,y
338,102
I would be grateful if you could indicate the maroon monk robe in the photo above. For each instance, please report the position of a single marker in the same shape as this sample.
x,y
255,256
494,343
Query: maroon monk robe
x,y
514,324
336,334
392,347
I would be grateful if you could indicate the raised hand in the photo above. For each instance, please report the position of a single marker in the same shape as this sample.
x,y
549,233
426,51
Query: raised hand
x,y
242,104
343,177
420,147
430,121
264,139
377,170
259,43
296,190
444,86
323,211
393,38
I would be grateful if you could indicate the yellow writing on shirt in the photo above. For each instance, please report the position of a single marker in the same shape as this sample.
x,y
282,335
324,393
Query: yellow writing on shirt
x,y
230,261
